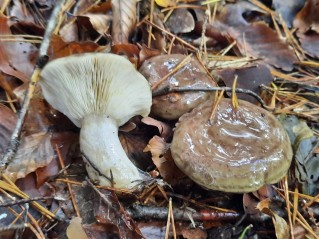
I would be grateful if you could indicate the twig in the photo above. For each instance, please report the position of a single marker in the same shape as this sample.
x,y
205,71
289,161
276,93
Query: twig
x,y
41,62
69,185
169,89
161,213
22,201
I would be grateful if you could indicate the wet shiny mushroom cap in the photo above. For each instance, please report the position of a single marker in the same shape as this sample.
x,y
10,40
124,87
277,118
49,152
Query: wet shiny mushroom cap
x,y
236,151
173,105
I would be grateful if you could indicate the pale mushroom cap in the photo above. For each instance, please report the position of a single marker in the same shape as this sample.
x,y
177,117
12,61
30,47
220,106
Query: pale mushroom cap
x,y
96,83
237,151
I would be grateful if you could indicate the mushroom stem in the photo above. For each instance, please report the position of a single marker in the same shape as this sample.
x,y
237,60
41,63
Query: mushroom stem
x,y
107,160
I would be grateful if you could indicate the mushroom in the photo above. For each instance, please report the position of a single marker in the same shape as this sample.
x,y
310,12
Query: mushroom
x,y
237,150
99,92
173,105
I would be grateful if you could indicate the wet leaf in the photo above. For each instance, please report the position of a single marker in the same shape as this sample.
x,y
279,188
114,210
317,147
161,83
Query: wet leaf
x,y
35,151
124,20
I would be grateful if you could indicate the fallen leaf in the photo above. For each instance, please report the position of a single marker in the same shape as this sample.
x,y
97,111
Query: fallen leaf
x,y
165,131
281,226
124,20
181,21
260,41
5,58
308,18
75,229
288,9
166,3
250,78
35,151
163,160
8,121
309,42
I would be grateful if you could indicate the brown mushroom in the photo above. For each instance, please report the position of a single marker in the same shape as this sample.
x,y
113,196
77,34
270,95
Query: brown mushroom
x,y
173,105
237,150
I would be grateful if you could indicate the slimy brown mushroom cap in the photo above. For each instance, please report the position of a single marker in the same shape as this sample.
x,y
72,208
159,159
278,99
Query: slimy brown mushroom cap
x,y
238,150
173,105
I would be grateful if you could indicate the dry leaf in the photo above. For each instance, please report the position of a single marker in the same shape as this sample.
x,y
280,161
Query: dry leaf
x,y
181,21
166,3
164,161
100,22
75,229
288,9
281,226
5,58
124,20
35,151
260,41
7,123
308,18
164,129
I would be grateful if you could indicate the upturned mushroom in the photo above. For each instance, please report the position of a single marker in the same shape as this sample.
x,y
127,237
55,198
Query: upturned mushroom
x,y
237,150
99,92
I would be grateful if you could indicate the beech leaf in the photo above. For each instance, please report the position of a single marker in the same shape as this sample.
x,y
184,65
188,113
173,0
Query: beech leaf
x,y
124,19
34,152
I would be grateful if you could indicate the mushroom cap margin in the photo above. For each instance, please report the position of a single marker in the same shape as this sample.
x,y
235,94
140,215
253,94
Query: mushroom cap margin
x,y
96,83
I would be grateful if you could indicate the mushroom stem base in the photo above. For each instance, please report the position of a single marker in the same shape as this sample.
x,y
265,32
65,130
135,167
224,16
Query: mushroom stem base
x,y
107,161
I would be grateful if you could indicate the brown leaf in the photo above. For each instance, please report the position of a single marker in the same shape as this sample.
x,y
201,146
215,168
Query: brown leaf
x,y
308,18
34,152
164,129
260,41
124,19
288,9
113,213
250,78
75,229
8,121
5,58
181,21
163,160
309,42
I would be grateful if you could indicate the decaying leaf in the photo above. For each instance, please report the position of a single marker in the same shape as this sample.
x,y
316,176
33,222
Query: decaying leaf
x,y
164,129
281,226
166,3
288,9
308,18
35,151
5,58
306,160
250,78
124,20
260,41
7,123
163,160
75,229
181,21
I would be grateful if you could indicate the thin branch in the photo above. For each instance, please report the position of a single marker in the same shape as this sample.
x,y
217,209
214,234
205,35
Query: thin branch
x,y
22,201
168,89
41,62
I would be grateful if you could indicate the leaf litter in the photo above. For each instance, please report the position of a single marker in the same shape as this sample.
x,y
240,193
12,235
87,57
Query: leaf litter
x,y
269,48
